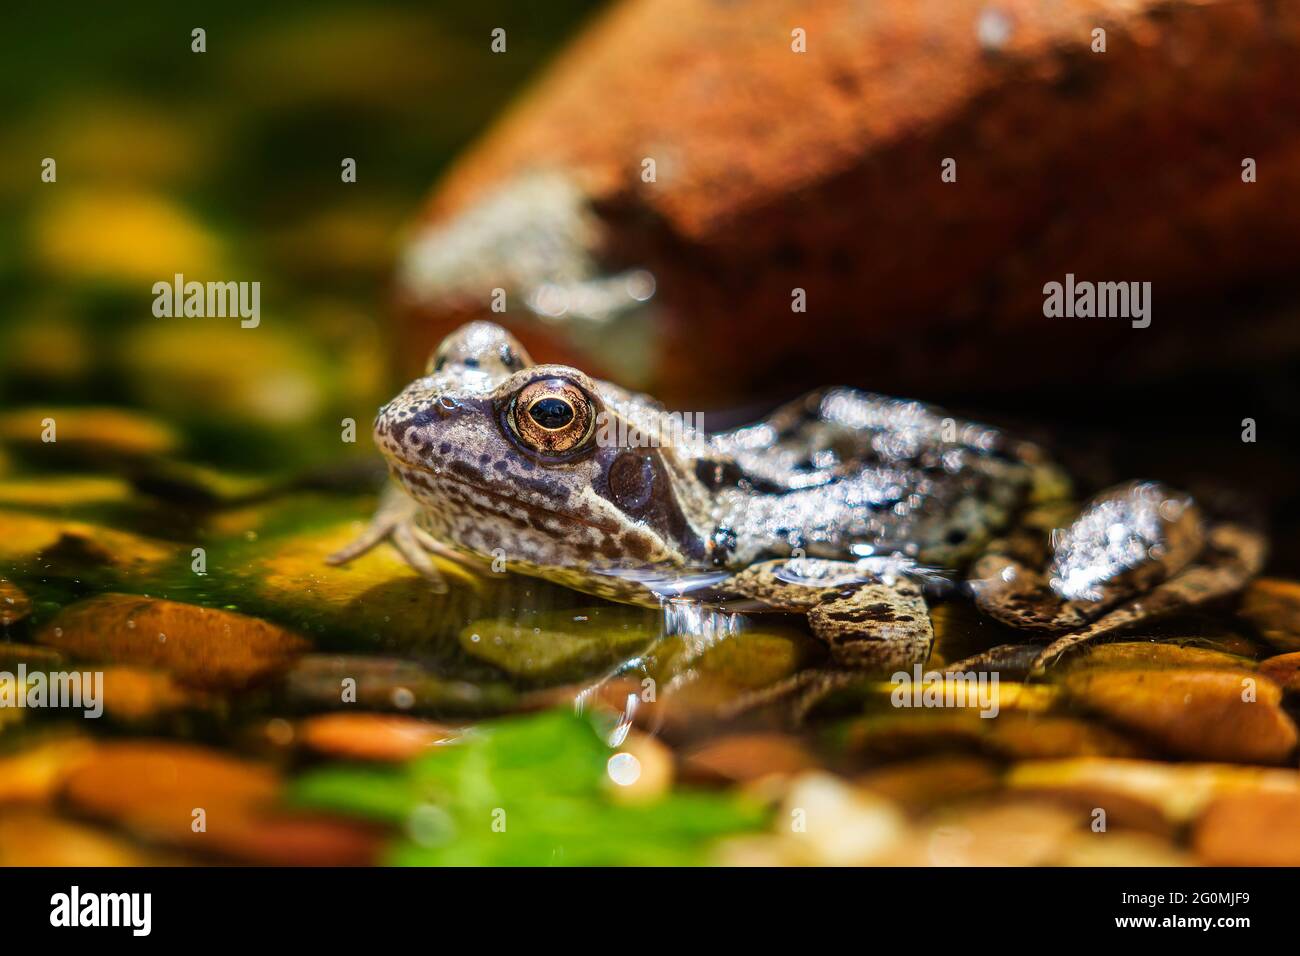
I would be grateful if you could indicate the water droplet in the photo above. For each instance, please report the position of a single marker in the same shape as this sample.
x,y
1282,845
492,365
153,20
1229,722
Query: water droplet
x,y
624,769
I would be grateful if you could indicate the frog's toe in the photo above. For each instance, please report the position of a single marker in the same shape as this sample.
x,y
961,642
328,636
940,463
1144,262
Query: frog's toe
x,y
374,533
409,546
793,584
395,510
874,626
1020,597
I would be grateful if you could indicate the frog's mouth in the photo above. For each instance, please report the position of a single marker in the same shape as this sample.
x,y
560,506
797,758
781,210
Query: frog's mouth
x,y
480,489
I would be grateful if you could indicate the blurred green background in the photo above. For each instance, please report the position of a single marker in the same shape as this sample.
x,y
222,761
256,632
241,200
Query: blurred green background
x,y
225,165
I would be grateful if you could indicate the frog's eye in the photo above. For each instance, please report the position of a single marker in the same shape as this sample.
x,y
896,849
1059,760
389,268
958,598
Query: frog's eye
x,y
552,416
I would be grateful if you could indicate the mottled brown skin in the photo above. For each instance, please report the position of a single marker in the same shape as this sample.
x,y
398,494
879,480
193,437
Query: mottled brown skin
x,y
845,507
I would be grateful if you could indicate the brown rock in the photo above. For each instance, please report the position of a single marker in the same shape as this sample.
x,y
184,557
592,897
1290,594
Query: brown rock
x,y
1273,606
96,430
155,789
200,647
34,774
1250,829
1011,735
741,758
1120,849
926,783
14,604
56,542
1179,791
1156,655
136,693
382,683
35,838
386,737
1009,834
1284,670
1123,811
1193,713
843,197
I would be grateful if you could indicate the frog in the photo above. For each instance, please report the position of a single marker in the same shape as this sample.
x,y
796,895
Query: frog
x,y
853,510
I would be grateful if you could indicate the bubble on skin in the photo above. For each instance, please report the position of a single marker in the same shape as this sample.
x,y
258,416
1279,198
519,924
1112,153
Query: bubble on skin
x,y
624,769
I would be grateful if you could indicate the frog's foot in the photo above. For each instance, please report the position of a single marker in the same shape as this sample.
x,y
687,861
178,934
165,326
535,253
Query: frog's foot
x,y
394,521
1135,552
1233,555
868,622
1123,543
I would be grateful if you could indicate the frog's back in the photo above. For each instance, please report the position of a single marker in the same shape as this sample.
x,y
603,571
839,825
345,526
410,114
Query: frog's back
x,y
843,473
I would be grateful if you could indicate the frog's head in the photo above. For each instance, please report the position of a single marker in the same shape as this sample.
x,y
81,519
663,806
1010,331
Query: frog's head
x,y
508,458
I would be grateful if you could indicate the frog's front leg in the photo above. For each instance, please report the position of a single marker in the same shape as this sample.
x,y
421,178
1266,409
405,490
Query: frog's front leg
x,y
1134,552
868,622
394,520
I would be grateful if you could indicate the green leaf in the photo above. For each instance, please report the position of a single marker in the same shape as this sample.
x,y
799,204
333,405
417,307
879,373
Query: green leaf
x,y
528,791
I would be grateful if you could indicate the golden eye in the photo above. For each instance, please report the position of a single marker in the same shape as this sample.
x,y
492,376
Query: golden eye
x,y
552,416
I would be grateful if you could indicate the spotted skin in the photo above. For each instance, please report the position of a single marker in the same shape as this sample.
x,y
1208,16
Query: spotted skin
x,y
839,507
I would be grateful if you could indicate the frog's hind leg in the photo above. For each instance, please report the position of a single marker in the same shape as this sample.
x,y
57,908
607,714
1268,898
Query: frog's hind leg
x,y
1134,552
868,622
1234,554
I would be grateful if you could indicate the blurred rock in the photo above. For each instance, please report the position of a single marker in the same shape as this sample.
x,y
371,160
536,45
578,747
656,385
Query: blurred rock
x,y
1011,735
1250,829
1153,655
826,822
137,694
1011,834
69,545
1120,849
928,782
126,236
1284,670
212,370
741,758
14,604
62,491
386,683
78,432
1273,606
706,671
34,773
1207,715
843,196
36,838
1178,791
390,738
155,790
201,647
563,644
